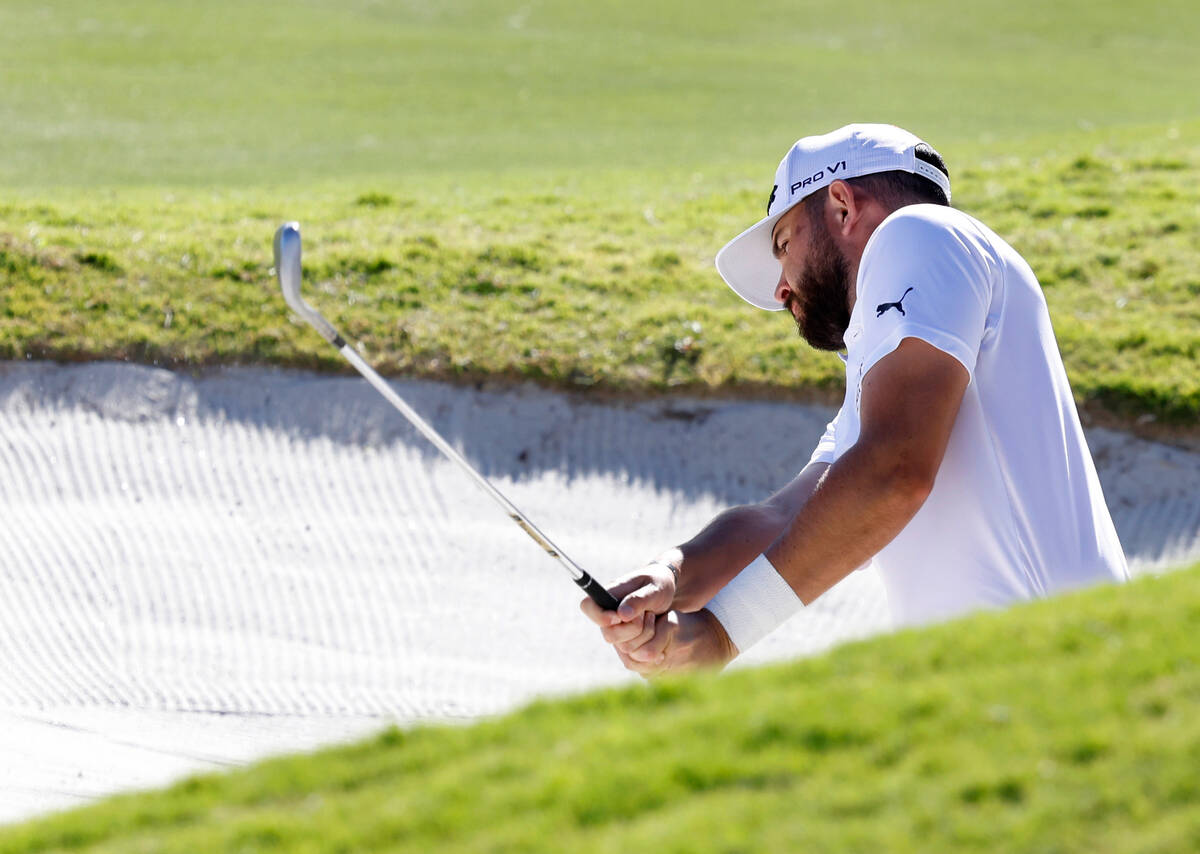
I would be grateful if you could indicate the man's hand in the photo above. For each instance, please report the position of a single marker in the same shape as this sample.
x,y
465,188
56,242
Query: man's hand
x,y
643,595
682,642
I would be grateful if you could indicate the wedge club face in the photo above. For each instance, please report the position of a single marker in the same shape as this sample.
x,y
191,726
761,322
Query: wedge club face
x,y
287,263
287,269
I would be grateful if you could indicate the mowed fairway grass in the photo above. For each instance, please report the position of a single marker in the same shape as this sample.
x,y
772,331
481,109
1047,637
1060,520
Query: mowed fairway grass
x,y
537,190
1071,725
132,92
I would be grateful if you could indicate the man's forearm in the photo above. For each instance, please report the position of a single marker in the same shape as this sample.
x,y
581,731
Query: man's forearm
x,y
865,499
718,553
708,561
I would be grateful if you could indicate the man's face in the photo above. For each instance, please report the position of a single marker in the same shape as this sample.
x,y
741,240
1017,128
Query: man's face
x,y
815,284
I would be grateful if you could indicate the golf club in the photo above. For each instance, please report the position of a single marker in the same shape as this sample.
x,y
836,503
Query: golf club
x,y
287,268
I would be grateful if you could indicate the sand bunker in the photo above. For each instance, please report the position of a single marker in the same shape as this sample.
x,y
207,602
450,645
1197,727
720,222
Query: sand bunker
x,y
196,572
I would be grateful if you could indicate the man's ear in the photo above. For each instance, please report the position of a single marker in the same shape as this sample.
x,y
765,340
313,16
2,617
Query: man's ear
x,y
844,205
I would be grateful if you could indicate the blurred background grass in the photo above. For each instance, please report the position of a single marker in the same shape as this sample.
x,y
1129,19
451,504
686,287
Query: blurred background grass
x,y
227,93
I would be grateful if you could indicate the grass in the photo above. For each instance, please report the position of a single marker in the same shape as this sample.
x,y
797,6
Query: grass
x,y
577,288
121,93
1070,725
536,191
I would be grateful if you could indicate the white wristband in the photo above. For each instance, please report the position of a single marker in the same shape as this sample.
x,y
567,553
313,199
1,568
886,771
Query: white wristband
x,y
754,603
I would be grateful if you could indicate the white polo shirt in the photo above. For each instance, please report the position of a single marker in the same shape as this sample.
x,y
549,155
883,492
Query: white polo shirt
x,y
1016,510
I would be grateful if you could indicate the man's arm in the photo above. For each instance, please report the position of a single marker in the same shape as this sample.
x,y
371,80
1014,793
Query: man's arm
x,y
910,400
709,560
704,564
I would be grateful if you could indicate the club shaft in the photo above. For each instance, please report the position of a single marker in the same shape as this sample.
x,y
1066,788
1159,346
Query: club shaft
x,y
381,385
582,578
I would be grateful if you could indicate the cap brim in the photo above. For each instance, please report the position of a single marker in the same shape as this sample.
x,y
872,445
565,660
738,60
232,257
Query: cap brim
x,y
748,265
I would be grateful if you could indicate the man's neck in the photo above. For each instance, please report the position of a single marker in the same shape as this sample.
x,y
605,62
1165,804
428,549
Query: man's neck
x,y
873,215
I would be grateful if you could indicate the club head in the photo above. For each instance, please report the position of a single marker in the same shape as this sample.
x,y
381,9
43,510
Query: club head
x,y
287,269
287,264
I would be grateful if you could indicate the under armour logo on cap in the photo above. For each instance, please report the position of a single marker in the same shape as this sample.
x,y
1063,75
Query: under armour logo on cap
x,y
771,200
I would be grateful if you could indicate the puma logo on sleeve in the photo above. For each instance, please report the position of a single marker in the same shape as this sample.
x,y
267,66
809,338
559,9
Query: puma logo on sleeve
x,y
898,305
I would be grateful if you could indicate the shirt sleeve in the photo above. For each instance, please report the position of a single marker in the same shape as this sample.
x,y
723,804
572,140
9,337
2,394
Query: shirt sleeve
x,y
826,448
924,278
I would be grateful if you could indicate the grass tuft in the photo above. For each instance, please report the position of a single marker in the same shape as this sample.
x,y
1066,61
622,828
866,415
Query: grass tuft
x,y
508,287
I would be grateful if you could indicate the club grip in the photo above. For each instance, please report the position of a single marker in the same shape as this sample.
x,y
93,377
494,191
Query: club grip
x,y
597,593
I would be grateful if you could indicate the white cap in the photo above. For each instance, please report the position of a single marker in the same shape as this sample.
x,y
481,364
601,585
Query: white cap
x,y
747,263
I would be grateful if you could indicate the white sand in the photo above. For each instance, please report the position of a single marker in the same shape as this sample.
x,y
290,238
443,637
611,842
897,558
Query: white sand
x,y
195,573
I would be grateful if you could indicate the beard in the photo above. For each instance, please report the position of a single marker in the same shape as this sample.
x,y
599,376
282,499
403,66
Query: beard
x,y
822,294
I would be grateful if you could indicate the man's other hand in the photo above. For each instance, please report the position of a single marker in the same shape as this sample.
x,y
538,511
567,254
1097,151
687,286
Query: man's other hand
x,y
681,642
642,595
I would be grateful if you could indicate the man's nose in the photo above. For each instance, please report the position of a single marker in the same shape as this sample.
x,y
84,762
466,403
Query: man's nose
x,y
782,290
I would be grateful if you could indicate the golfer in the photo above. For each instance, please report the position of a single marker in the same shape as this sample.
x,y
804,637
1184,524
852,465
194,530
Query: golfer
x,y
956,465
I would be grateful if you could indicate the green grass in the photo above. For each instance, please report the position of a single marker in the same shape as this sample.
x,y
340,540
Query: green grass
x,y
537,190
1071,725
124,92
578,288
